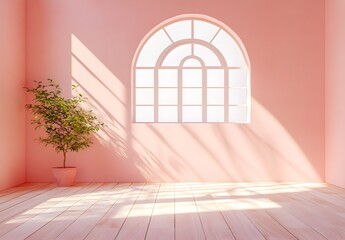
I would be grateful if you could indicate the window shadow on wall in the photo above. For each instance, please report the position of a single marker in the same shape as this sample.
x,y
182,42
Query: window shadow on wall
x,y
260,151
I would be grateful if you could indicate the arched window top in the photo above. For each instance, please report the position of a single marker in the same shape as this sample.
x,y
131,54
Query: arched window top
x,y
209,33
191,68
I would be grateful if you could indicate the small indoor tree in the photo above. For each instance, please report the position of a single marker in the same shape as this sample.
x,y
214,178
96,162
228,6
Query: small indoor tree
x,y
67,126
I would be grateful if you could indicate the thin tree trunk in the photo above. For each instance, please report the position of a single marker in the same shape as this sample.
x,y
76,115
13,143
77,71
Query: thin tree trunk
x,y
64,159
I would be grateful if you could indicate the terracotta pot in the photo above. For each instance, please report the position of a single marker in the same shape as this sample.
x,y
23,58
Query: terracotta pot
x,y
64,177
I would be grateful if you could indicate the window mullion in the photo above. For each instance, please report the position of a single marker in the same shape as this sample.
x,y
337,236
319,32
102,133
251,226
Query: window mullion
x,y
155,112
179,94
226,95
204,95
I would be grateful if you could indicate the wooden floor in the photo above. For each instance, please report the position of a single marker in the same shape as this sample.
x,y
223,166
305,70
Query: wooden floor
x,y
173,211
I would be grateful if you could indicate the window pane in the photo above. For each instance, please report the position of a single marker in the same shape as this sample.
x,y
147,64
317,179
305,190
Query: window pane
x,y
192,78
167,96
238,96
144,78
167,114
208,56
192,62
238,78
144,96
152,49
215,78
230,50
215,96
204,30
215,114
192,114
180,30
238,114
175,57
167,77
192,96
144,114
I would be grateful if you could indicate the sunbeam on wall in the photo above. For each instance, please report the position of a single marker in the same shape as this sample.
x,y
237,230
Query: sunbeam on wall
x,y
260,151
105,93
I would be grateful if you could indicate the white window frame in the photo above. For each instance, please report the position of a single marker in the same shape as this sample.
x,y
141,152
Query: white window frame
x,y
236,105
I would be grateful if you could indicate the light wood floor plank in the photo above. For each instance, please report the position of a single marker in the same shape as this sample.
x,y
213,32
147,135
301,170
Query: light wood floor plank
x,y
212,220
21,189
328,196
68,211
140,215
232,208
87,220
37,217
326,206
298,228
22,195
110,224
255,206
301,210
187,220
162,221
268,226
36,198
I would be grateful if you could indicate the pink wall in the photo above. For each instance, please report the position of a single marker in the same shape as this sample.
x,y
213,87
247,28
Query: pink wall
x,y
93,44
12,100
335,97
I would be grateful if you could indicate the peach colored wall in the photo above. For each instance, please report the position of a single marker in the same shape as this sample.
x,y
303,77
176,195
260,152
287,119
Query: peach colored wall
x,y
335,97
12,97
93,43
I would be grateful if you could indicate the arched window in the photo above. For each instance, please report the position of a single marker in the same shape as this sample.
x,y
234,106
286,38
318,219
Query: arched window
x,y
191,69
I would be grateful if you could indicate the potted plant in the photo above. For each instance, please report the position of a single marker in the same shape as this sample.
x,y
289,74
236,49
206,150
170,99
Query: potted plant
x,y
67,126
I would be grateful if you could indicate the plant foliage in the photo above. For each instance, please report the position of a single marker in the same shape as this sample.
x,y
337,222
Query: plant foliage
x,y
67,126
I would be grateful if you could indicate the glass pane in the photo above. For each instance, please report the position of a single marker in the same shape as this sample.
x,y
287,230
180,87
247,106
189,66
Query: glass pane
x,y
215,78
208,56
144,114
175,57
230,50
192,96
192,62
192,114
237,78
238,96
238,114
180,30
144,78
204,30
167,114
167,77
144,96
192,78
167,96
215,96
152,49
215,114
